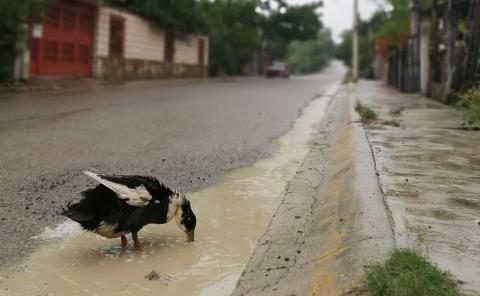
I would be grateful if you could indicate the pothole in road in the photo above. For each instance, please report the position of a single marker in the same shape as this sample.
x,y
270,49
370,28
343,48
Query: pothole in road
x,y
231,218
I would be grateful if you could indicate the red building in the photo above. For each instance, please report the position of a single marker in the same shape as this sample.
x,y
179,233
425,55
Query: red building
x,y
83,38
62,45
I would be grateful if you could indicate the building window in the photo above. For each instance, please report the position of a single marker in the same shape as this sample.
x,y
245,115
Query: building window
x,y
50,51
68,53
83,55
117,32
69,19
34,49
52,17
85,22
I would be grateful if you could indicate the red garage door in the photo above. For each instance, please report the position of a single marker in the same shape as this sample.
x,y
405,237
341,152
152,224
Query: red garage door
x,y
65,47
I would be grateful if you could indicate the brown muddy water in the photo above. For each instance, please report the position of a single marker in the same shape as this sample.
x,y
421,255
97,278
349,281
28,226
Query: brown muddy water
x,y
232,216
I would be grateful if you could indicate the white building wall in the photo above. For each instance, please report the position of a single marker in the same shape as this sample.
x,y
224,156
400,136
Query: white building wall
x,y
142,40
186,50
101,33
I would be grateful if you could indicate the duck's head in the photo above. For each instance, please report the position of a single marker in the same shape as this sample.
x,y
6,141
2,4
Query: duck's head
x,y
186,219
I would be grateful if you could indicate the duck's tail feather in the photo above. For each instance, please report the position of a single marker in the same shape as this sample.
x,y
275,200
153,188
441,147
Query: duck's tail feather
x,y
95,205
77,214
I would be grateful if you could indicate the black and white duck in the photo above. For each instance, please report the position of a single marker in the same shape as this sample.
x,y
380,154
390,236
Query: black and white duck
x,y
124,204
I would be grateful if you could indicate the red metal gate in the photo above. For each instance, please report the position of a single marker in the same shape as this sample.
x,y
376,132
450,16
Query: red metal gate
x,y
65,47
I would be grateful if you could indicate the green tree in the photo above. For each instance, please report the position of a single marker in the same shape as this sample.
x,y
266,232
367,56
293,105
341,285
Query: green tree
x,y
179,16
343,51
15,12
234,34
311,55
12,14
368,31
397,21
236,28
291,23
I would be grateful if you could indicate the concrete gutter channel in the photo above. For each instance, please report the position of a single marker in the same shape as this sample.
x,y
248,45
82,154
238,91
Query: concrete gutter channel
x,y
408,180
332,220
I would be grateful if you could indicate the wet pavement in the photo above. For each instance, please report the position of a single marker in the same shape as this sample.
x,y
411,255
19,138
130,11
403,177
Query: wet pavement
x,y
327,193
232,215
429,174
187,134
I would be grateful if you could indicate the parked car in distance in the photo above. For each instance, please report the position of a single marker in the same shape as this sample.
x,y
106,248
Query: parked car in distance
x,y
278,69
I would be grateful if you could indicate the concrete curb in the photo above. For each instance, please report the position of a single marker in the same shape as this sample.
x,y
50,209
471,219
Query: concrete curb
x,y
331,222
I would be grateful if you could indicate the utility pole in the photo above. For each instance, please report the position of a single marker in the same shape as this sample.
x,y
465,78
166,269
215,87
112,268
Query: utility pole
x,y
355,42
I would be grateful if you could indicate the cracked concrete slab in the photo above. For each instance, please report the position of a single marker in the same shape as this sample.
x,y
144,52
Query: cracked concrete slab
x,y
331,221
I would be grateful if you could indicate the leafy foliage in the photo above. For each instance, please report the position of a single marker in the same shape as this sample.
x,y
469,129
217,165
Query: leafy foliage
x,y
393,23
397,22
470,101
365,112
238,28
175,15
367,31
299,23
12,14
233,29
406,273
15,12
311,55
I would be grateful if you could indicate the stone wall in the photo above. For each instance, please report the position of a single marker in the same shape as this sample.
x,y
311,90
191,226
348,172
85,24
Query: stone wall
x,y
132,69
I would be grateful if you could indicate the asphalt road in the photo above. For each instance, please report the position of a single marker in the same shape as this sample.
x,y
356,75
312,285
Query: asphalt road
x,y
187,135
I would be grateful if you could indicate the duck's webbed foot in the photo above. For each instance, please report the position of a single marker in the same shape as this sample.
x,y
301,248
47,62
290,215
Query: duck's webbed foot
x,y
136,242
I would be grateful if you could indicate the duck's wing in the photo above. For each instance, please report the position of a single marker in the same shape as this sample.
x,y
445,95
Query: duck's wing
x,y
128,188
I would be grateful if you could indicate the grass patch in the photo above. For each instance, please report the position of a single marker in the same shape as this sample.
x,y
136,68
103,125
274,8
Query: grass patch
x,y
406,273
470,101
365,112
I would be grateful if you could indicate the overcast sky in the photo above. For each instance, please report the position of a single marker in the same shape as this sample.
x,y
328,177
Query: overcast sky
x,y
338,14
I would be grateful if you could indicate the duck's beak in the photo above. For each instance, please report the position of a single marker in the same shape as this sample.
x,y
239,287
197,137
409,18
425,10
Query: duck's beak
x,y
191,236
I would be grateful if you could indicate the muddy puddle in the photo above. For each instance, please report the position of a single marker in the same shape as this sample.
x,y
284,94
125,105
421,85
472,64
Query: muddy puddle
x,y
231,218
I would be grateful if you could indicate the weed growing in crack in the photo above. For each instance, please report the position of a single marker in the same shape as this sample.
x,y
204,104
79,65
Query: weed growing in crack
x,y
470,101
365,112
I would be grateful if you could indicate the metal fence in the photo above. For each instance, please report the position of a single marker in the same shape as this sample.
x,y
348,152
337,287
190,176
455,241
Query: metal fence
x,y
472,66
454,51
404,66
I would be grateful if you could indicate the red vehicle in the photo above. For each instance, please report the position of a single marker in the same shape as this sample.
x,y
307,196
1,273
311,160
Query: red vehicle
x,y
278,69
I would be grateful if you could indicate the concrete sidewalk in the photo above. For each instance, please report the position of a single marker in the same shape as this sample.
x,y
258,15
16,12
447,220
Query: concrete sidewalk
x,y
429,174
332,220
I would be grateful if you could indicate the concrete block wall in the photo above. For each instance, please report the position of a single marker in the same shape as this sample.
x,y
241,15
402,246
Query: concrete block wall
x,y
186,50
142,40
144,45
